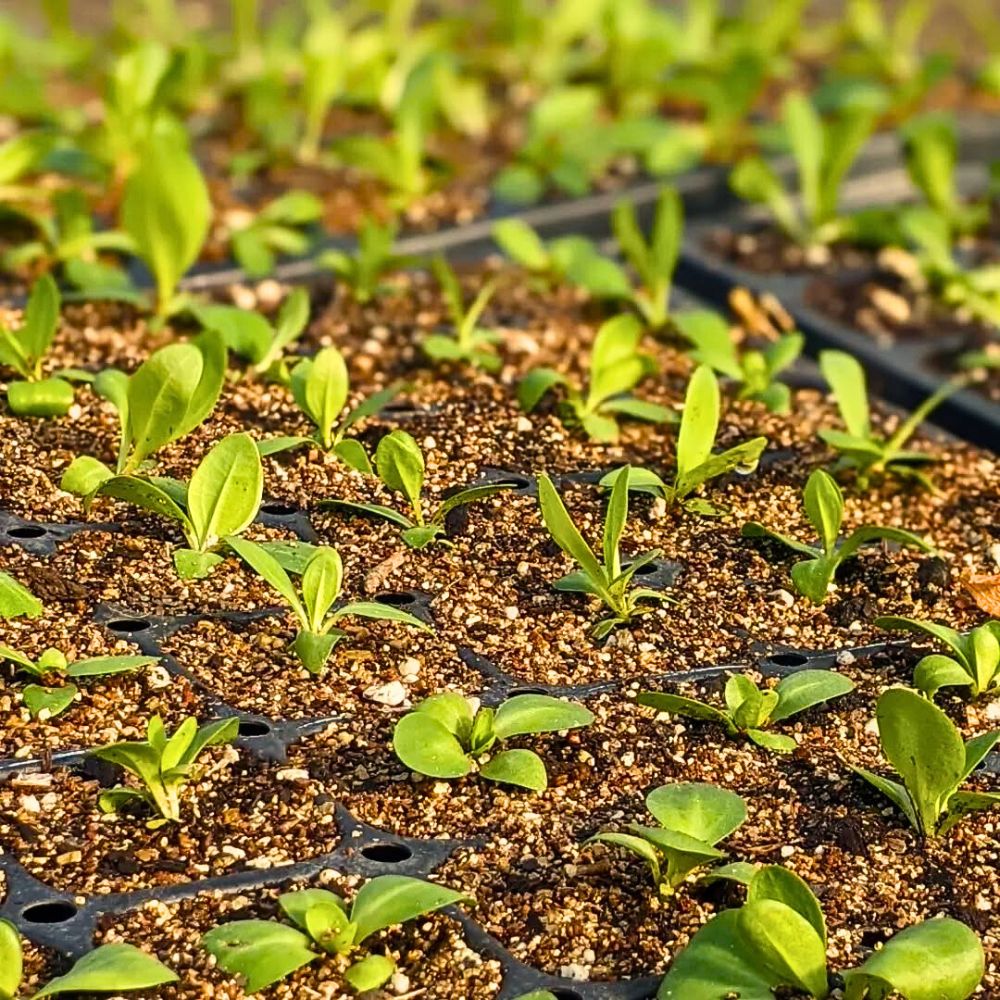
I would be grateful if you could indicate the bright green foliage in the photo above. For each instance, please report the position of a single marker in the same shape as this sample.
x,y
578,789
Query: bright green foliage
x,y
313,603
777,938
24,349
824,507
166,212
16,600
263,952
928,754
755,371
52,699
930,144
617,366
468,342
750,710
164,765
823,152
320,386
251,336
693,817
221,500
696,464
605,578
975,659
111,968
442,737
166,398
323,66
975,290
276,229
399,464
860,448
363,269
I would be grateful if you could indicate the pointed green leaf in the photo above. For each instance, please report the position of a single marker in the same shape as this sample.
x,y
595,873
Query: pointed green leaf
x,y
394,899
111,968
262,952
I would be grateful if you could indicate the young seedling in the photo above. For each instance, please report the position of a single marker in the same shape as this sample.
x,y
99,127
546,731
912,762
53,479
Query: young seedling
x,y
166,211
24,349
262,952
860,448
167,397
276,229
324,70
693,817
469,342
109,968
47,700
222,499
252,337
824,507
754,371
320,587
16,600
616,367
823,153
605,579
399,464
696,464
930,757
363,270
975,659
443,738
777,940
750,711
320,386
163,764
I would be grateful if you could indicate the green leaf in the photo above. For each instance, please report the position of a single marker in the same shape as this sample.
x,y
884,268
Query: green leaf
x,y
143,493
400,465
191,564
394,899
297,904
677,705
320,387
262,952
806,688
225,490
875,533
847,380
523,768
52,701
777,742
937,671
785,943
699,421
51,397
314,649
370,973
99,666
742,458
614,524
352,453
812,578
265,565
321,583
950,637
535,385
166,211
521,243
703,811
525,714
426,746
11,962
779,883
939,959
615,364
111,968
893,791
41,318
804,132
824,504
714,346
246,333
467,496
380,612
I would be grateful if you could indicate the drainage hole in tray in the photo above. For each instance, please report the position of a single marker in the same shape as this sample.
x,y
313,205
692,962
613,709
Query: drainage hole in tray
x,y
128,626
387,853
562,993
56,912
26,531
254,727
397,599
788,659
276,509
526,690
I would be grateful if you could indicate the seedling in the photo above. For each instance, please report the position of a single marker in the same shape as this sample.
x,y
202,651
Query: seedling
x,y
16,600
167,397
47,700
164,765
320,386
750,711
277,228
324,69
399,464
252,337
975,662
931,759
443,738
777,939
24,349
607,580
693,817
166,212
468,342
320,587
870,455
109,968
616,367
263,952
363,270
755,371
823,152
221,500
824,507
696,464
